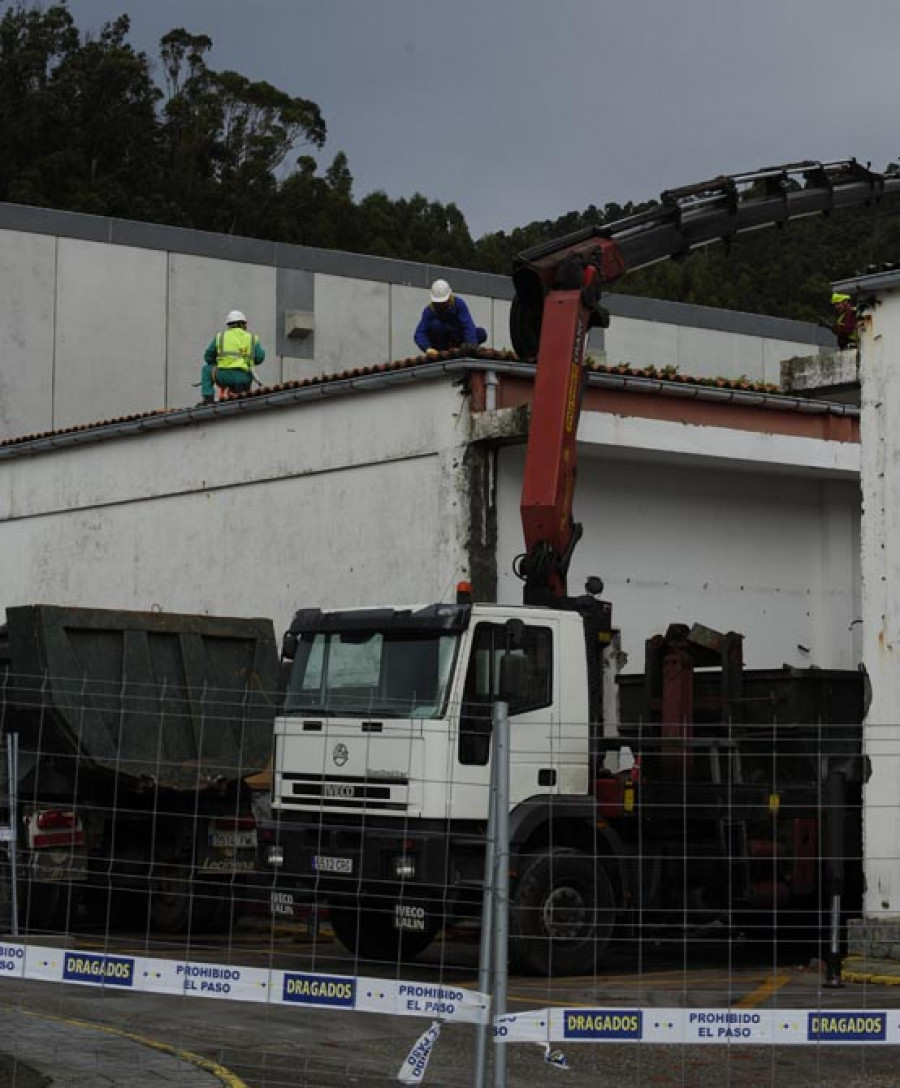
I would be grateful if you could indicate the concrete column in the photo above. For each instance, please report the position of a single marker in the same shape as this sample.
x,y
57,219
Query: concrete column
x,y
880,565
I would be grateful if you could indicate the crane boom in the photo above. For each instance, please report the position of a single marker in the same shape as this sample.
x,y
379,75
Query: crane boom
x,y
558,286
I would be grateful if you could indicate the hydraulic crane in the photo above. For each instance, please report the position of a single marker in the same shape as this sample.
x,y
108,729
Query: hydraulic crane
x,y
558,288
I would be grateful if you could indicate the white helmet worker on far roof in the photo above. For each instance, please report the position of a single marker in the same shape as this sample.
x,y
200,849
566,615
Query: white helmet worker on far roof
x,y
229,359
441,291
446,324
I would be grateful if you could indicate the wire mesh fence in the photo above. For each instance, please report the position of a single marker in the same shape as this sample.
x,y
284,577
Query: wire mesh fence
x,y
213,889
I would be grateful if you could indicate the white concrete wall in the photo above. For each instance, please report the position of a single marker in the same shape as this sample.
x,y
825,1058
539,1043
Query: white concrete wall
x,y
200,292
352,323
97,329
407,304
880,379
27,299
330,503
769,548
110,331
704,353
361,499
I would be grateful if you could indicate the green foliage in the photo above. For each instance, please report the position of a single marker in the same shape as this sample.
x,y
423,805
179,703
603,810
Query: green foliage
x,y
77,117
784,272
495,252
84,126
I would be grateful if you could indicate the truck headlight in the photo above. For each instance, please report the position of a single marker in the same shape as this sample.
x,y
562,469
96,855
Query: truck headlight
x,y
405,867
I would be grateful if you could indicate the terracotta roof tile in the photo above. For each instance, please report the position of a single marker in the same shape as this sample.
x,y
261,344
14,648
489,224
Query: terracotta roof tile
x,y
408,363
666,374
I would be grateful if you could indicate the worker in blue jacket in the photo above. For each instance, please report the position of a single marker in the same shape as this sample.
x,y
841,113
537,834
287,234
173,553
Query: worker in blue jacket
x,y
446,323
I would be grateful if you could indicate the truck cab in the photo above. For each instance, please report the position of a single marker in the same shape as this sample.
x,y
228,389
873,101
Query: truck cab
x,y
381,777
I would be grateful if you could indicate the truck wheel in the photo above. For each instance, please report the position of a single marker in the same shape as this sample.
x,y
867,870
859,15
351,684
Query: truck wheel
x,y
562,914
367,929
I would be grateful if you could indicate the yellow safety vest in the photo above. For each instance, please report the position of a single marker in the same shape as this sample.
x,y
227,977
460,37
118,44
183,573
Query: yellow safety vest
x,y
235,349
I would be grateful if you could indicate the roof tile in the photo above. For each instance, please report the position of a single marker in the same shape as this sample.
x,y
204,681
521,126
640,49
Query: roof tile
x,y
409,363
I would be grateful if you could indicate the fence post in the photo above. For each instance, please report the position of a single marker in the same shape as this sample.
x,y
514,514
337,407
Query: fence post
x,y
9,766
486,948
501,881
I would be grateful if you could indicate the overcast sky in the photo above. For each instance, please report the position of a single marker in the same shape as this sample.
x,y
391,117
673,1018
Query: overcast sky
x,y
525,109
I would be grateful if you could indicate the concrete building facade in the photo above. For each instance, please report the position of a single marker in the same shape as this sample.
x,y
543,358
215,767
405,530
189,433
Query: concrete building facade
x,y
107,317
738,510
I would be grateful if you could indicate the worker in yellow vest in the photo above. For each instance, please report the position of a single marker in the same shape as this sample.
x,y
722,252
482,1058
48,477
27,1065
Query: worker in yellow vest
x,y
845,323
230,358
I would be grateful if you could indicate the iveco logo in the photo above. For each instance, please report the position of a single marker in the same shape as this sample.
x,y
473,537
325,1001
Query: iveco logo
x,y
340,755
331,789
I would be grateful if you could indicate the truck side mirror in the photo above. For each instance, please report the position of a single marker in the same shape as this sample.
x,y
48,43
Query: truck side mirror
x,y
289,646
515,677
514,666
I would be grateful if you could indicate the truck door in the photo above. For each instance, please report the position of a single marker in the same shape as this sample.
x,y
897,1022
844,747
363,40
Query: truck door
x,y
534,718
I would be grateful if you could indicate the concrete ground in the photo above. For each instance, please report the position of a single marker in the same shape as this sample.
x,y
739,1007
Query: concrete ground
x,y
17,1074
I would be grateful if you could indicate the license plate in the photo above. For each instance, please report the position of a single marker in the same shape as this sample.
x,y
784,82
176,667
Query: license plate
x,y
232,840
322,864
57,867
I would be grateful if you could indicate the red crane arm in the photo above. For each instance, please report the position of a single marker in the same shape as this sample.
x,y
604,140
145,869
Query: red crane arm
x,y
571,306
557,299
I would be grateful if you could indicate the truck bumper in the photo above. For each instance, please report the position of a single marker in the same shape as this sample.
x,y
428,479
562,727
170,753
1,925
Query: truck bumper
x,y
344,860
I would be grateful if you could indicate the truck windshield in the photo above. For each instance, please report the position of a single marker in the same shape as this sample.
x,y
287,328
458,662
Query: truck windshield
x,y
389,674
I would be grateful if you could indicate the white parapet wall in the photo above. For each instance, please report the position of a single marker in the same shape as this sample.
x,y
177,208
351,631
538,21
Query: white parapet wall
x,y
107,317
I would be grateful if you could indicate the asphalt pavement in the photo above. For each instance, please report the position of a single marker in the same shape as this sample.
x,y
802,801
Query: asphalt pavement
x,y
40,1050
18,1074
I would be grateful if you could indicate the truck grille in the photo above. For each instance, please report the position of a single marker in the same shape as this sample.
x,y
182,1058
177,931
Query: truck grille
x,y
348,791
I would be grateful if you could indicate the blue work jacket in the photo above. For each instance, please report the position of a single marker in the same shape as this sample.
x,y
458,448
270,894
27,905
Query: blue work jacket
x,y
445,329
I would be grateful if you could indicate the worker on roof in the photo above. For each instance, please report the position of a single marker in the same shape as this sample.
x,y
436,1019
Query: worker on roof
x,y
845,321
446,323
230,358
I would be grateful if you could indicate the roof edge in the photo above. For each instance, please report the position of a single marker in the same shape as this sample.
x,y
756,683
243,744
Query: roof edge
x,y
411,370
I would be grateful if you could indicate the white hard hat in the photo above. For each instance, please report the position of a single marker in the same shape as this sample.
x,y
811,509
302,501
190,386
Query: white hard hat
x,y
234,317
440,291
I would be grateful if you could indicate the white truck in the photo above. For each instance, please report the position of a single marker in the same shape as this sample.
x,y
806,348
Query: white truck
x,y
382,769
737,802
